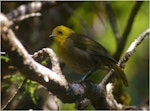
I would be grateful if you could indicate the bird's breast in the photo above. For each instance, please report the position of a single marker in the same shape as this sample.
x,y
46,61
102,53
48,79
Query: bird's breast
x,y
77,59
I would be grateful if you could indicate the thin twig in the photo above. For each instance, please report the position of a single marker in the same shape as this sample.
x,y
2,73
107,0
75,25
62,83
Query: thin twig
x,y
24,9
23,17
126,56
132,48
15,94
107,78
112,20
127,30
28,9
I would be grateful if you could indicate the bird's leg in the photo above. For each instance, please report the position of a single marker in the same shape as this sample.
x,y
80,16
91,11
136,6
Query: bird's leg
x,y
86,75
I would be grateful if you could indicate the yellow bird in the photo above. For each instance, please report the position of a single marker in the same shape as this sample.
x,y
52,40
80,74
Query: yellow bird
x,y
83,54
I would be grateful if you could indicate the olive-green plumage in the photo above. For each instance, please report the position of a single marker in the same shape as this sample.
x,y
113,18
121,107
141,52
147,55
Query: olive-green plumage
x,y
83,54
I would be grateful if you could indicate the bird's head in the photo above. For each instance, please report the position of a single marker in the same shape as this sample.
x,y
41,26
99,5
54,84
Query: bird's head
x,y
61,33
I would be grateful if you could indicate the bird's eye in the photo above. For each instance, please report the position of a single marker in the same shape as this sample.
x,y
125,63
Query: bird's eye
x,y
59,32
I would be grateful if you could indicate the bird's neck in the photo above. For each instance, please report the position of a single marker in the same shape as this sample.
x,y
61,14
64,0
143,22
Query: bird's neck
x,y
59,41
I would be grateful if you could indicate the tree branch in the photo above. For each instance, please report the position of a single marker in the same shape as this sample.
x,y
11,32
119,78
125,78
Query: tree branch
x,y
25,63
127,30
27,9
105,82
53,82
53,58
126,56
133,47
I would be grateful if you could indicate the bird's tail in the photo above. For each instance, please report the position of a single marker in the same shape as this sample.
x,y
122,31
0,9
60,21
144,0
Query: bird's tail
x,y
120,74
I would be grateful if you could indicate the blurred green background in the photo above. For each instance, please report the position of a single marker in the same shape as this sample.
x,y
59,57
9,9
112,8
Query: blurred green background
x,y
89,18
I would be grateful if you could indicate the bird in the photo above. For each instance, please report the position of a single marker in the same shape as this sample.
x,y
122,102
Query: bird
x,y
83,54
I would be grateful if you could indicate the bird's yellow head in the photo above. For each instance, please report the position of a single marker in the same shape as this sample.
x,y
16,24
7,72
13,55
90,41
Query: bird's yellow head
x,y
60,33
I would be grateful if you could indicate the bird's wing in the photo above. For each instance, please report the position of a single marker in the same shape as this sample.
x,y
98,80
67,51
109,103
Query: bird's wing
x,y
87,44
97,52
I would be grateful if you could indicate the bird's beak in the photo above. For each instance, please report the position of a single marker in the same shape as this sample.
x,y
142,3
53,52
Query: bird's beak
x,y
52,36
